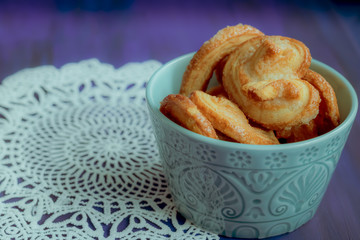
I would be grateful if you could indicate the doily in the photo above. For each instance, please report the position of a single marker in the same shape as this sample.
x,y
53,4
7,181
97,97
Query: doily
x,y
78,158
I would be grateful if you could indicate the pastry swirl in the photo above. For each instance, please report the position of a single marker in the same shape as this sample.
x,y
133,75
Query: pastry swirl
x,y
327,119
329,116
205,60
263,76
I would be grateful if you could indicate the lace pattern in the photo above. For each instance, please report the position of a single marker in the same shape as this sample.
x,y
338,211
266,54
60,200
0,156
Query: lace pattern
x,y
78,158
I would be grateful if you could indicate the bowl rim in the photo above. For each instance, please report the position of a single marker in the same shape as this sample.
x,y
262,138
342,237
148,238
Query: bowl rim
x,y
197,137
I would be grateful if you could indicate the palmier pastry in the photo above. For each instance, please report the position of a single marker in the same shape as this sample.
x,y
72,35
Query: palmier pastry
x,y
181,110
226,117
327,119
329,116
263,76
203,63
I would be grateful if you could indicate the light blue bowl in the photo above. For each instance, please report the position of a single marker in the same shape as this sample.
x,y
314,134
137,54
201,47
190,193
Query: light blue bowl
x,y
242,190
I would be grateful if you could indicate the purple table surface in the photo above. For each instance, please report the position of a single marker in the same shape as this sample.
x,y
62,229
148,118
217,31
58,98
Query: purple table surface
x,y
35,33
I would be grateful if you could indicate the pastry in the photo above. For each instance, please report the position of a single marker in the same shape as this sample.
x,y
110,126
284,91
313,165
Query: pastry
x,y
327,119
263,76
298,133
266,94
181,110
205,60
226,117
329,116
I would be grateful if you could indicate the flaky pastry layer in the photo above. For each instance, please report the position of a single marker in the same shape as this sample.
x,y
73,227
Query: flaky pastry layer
x,y
227,118
181,110
263,76
329,116
327,119
203,63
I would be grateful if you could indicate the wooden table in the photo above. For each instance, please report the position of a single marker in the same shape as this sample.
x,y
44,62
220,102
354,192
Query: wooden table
x,y
118,32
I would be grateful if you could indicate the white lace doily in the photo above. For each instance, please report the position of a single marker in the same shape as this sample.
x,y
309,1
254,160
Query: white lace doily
x,y
78,158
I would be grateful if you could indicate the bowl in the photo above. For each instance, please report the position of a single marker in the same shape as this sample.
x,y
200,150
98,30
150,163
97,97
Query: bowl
x,y
243,190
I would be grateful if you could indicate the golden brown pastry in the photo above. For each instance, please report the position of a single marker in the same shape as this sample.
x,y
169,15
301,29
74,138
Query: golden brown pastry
x,y
263,76
327,119
329,116
181,110
298,133
226,117
265,86
203,63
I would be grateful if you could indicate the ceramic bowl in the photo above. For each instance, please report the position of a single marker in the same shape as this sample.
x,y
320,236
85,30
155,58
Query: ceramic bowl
x,y
242,190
